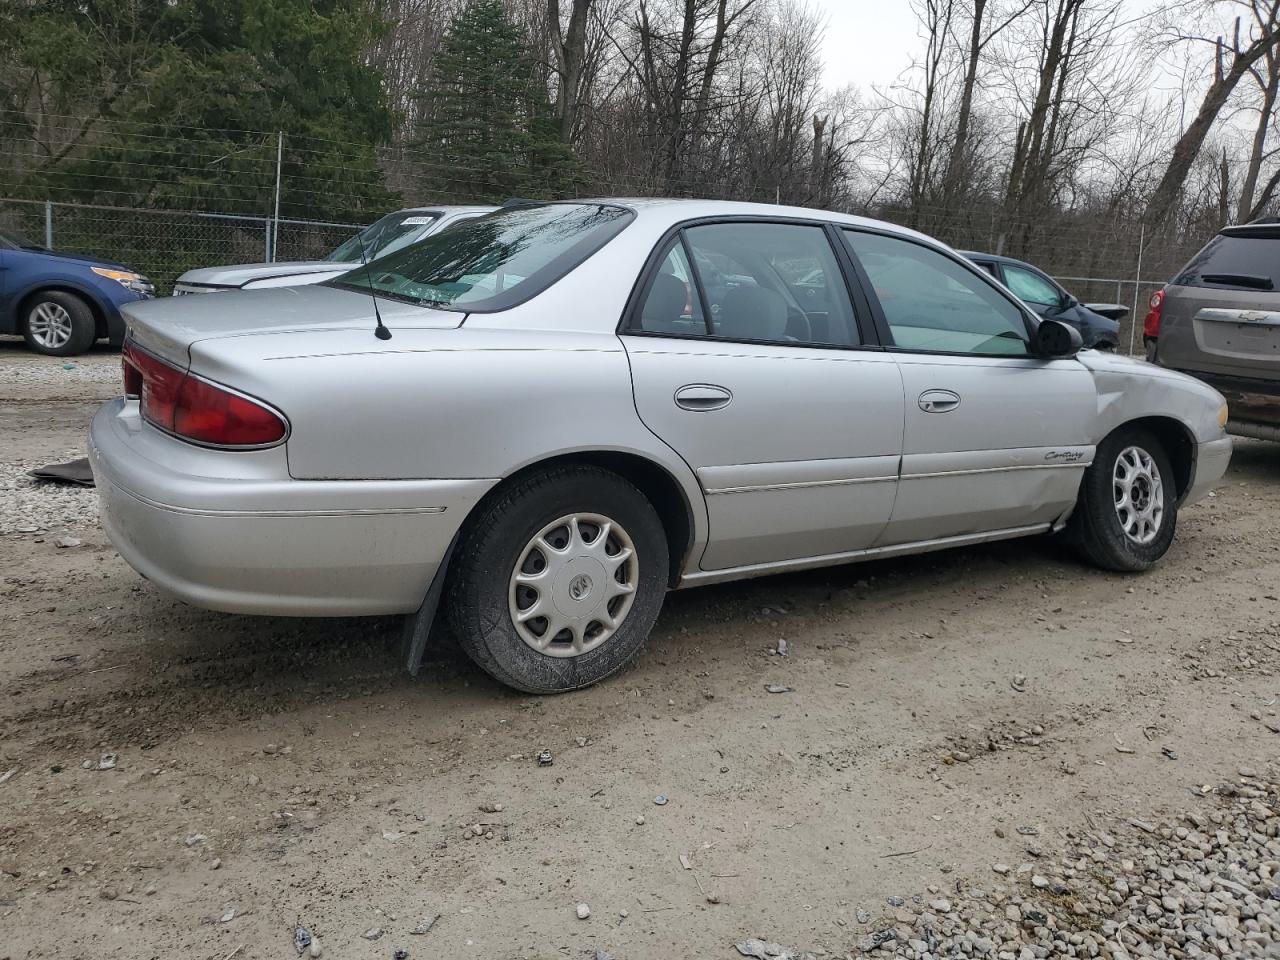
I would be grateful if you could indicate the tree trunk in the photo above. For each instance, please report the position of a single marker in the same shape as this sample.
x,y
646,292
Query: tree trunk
x,y
571,53
1189,144
956,163
817,163
1269,91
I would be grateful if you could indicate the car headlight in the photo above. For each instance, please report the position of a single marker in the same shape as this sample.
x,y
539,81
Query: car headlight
x,y
127,279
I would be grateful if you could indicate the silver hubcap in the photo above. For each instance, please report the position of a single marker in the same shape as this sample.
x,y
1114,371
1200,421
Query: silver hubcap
x,y
573,585
50,325
1139,494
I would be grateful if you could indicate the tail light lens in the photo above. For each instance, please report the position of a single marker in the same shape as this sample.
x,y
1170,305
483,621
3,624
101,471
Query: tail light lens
x,y
194,409
1151,323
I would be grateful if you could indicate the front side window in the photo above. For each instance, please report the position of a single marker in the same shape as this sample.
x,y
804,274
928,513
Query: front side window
x,y
1031,287
934,304
493,262
760,282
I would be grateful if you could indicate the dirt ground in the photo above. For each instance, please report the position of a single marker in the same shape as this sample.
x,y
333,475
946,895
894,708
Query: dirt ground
x,y
272,770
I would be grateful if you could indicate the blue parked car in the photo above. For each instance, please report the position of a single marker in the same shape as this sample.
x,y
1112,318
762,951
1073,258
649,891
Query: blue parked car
x,y
63,302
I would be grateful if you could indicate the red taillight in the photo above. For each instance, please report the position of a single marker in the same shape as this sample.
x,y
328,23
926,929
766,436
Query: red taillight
x,y
185,405
1151,324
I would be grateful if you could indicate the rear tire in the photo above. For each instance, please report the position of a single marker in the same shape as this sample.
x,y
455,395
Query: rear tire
x,y
578,544
58,324
1127,511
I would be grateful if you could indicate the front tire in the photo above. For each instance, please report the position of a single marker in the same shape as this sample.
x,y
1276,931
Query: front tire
x,y
558,580
58,324
1127,511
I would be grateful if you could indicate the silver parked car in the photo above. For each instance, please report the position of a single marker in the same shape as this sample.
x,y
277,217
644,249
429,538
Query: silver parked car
x,y
383,236
549,416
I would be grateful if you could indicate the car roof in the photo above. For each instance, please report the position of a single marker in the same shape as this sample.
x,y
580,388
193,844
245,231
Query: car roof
x,y
996,258
679,209
445,209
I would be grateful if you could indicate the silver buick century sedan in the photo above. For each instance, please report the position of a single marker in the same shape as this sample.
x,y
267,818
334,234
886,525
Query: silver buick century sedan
x,y
545,418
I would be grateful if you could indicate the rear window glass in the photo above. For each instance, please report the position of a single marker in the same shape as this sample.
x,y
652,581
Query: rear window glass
x,y
1235,262
493,262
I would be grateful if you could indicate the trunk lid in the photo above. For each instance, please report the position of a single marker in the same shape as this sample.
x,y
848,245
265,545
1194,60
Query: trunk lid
x,y
168,326
1228,332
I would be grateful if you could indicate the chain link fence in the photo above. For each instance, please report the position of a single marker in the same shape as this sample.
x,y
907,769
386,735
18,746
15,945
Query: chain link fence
x,y
165,244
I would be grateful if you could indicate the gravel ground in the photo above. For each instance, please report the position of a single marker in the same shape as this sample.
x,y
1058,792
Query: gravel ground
x,y
994,752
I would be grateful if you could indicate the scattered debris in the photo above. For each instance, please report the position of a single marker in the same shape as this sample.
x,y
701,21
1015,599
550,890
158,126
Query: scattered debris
x,y
400,955
192,839
660,799
781,649
545,759
228,916
425,926
373,933
764,950
301,937
106,762
490,808
392,835
776,688
1019,682
8,774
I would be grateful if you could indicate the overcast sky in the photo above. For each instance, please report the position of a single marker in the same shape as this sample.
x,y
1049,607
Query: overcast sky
x,y
870,42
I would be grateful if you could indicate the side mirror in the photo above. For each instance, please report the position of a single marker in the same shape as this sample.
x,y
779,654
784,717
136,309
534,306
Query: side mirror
x,y
1056,340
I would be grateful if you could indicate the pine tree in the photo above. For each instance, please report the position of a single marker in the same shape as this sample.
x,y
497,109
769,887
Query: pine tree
x,y
489,129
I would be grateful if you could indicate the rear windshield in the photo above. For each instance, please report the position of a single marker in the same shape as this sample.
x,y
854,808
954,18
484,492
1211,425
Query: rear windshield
x,y
1236,261
493,262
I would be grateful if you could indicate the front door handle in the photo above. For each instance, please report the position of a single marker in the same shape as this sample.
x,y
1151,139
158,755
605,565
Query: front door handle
x,y
939,401
701,397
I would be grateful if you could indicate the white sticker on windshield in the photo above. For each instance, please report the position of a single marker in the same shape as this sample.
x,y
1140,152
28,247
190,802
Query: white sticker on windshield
x,y
416,221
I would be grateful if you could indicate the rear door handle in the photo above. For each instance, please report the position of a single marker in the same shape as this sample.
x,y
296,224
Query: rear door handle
x,y
702,397
939,401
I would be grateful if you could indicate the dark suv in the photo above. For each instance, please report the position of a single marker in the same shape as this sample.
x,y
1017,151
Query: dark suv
x,y
1219,320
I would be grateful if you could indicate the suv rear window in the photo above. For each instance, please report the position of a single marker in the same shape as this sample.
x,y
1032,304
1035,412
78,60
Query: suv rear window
x,y
493,262
1242,258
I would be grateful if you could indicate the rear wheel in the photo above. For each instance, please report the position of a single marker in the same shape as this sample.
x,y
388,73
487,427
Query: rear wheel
x,y
58,324
1128,510
559,579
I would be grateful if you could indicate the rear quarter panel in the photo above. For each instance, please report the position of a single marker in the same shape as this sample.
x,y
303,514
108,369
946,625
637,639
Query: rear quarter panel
x,y
442,404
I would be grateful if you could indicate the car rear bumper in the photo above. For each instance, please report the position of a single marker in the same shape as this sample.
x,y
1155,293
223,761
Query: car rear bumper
x,y
1212,458
269,545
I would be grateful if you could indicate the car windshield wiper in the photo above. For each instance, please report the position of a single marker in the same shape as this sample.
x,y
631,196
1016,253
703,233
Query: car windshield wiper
x,y
1251,280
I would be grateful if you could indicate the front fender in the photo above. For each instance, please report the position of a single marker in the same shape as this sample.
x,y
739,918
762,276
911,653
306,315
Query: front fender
x,y
1130,389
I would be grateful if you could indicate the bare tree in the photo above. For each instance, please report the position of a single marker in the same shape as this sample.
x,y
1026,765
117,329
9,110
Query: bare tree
x,y
1231,62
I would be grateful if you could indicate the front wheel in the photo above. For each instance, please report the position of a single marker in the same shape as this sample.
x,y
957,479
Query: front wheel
x,y
58,324
558,580
1127,511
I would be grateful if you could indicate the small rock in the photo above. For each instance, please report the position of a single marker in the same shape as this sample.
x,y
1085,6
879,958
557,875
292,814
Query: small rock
x,y
192,839
107,761
1019,682
315,949
373,933
940,905
216,864
660,800
65,542
640,820
582,741
1000,868
490,808
781,649
776,688
228,916
959,756
426,925
583,911
301,938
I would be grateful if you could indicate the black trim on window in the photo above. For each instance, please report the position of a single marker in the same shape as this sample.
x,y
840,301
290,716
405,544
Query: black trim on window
x,y
695,278
1029,320
628,325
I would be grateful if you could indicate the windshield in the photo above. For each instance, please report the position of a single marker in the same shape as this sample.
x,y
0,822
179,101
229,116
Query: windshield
x,y
12,240
493,262
392,232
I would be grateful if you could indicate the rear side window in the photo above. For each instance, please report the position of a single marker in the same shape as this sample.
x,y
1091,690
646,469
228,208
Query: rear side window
x,y
1236,261
751,282
493,262
933,304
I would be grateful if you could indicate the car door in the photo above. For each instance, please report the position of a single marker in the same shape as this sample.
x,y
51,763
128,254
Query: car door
x,y
995,439
792,427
